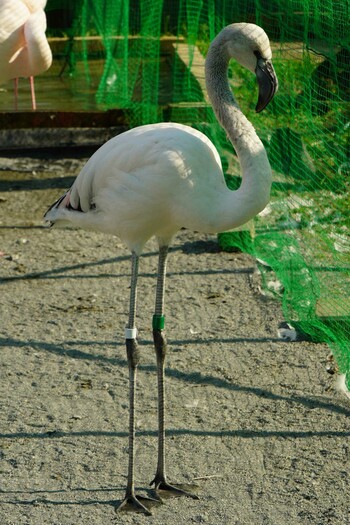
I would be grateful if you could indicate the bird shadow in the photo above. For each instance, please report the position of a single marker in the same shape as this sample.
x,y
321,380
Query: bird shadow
x,y
39,497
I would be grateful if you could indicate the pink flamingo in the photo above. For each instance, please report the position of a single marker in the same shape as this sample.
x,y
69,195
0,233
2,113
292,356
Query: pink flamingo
x,y
24,49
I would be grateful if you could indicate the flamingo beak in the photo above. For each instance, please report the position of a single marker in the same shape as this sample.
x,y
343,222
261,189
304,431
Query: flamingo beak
x,y
267,82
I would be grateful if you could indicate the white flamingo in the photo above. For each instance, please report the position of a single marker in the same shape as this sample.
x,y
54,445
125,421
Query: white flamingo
x,y
155,179
24,49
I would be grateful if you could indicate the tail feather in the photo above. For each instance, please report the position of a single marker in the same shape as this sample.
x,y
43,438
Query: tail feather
x,y
56,203
62,202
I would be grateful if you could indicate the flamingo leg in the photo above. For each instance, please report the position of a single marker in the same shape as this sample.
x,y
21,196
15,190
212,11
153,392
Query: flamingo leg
x,y
160,480
32,92
131,500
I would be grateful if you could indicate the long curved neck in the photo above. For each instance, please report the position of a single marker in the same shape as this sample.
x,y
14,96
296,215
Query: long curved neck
x,y
254,192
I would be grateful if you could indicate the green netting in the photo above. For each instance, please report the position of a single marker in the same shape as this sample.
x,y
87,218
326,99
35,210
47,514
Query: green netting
x,y
153,68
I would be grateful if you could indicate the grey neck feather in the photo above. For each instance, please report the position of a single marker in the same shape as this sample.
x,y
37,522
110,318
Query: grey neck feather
x,y
253,194
225,106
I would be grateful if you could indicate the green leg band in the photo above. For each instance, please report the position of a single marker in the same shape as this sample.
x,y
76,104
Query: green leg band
x,y
158,322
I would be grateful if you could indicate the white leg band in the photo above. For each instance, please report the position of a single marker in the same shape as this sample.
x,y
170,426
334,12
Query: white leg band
x,y
130,333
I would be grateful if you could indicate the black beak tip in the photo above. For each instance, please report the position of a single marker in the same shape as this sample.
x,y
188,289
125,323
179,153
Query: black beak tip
x,y
265,96
259,107
262,103
268,84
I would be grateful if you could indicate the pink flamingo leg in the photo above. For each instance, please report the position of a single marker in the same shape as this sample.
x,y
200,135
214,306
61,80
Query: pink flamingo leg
x,y
32,91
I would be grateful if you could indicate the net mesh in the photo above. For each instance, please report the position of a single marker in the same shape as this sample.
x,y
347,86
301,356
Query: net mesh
x,y
152,54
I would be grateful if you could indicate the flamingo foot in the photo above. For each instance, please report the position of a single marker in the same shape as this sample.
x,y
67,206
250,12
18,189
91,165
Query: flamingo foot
x,y
168,490
134,503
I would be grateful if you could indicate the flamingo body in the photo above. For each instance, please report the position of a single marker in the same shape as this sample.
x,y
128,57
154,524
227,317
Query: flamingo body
x,y
171,178
154,180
